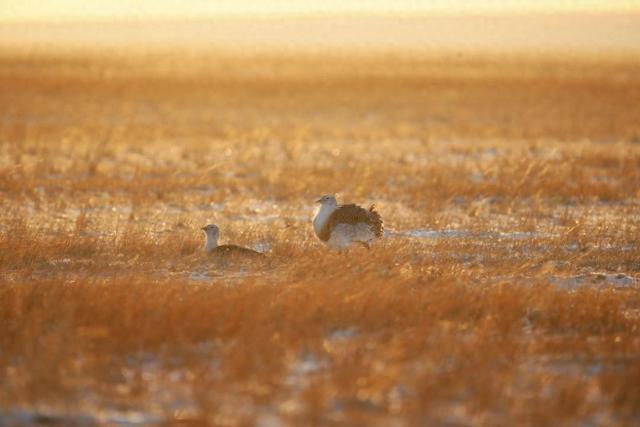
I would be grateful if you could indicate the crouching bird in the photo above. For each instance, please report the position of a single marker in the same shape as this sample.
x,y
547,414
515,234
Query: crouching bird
x,y
340,226
226,251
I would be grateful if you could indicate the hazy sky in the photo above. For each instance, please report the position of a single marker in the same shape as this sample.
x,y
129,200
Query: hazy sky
x,y
19,10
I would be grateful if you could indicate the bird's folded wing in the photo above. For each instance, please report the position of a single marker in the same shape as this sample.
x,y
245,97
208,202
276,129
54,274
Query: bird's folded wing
x,y
353,215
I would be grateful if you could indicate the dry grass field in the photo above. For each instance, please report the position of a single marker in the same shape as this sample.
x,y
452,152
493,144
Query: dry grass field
x,y
506,290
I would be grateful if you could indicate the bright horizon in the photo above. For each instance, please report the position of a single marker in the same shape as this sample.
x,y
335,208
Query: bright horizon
x,y
78,10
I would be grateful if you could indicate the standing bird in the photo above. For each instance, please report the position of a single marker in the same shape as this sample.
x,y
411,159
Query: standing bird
x,y
339,226
225,251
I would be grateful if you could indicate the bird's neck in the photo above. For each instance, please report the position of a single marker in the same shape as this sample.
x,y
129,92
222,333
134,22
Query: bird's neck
x,y
322,217
211,243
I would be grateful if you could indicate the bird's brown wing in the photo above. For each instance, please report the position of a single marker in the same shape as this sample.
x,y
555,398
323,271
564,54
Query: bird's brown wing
x,y
234,250
353,214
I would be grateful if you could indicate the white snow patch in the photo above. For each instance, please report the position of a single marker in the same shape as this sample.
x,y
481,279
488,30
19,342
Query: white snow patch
x,y
618,280
438,234
199,276
262,247
45,416
430,234
342,334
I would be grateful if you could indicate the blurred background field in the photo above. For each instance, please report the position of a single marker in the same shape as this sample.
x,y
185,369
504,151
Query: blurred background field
x,y
505,290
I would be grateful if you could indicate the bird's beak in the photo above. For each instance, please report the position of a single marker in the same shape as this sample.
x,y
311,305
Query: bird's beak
x,y
204,229
319,201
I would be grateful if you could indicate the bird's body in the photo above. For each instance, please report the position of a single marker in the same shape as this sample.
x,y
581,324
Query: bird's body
x,y
234,250
225,251
340,226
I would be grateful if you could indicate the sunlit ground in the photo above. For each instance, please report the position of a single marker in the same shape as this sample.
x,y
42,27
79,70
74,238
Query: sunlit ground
x,y
505,290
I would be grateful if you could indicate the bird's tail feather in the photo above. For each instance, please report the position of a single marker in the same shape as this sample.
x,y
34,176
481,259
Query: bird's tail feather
x,y
376,221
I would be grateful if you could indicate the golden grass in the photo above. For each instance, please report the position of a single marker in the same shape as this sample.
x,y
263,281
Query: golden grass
x,y
514,302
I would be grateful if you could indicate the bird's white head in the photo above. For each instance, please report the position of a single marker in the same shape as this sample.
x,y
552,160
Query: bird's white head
x,y
213,233
328,204
328,200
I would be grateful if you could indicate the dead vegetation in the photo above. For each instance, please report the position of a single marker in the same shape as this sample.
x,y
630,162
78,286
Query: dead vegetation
x,y
506,290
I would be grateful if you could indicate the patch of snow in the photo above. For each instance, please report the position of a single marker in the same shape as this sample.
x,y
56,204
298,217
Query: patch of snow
x,y
430,234
199,276
262,247
301,369
342,334
32,416
594,280
437,234
515,235
306,365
